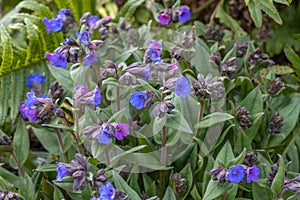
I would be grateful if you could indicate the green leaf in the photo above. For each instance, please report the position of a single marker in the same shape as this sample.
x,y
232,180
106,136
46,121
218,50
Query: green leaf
x,y
271,10
258,191
58,126
225,155
169,194
63,76
201,62
212,119
48,139
215,189
121,184
21,142
9,176
26,188
255,12
286,2
293,57
57,193
278,181
230,22
239,159
253,101
195,194
187,173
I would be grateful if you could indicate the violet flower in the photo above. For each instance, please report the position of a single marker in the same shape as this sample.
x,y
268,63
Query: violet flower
x,y
182,87
164,18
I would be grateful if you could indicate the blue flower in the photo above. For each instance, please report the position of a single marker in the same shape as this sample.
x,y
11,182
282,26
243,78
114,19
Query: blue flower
x,y
61,171
92,20
96,98
57,59
62,13
137,99
90,59
184,14
252,173
182,87
103,137
107,191
54,24
84,37
235,174
154,54
164,18
31,99
34,78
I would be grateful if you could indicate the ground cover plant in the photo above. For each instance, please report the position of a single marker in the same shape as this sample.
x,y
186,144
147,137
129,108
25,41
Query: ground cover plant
x,y
149,100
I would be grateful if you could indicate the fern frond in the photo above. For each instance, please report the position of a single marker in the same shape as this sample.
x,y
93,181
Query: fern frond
x,y
40,9
4,94
33,48
129,9
7,50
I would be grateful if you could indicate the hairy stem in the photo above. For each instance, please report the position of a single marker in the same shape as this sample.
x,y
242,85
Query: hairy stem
x,y
163,158
21,172
200,117
107,159
61,144
76,135
118,98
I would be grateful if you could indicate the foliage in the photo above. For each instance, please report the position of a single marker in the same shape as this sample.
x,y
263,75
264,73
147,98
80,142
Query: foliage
x,y
148,113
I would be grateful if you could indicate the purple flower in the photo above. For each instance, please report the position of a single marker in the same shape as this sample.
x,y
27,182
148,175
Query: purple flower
x,y
182,87
137,99
54,24
122,130
235,174
34,78
154,54
252,173
61,171
107,191
96,98
22,110
92,20
62,13
90,59
57,59
164,18
103,137
184,14
154,44
84,37
80,90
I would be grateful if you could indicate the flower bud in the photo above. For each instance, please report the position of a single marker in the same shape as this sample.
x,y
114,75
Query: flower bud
x,y
275,86
276,123
244,117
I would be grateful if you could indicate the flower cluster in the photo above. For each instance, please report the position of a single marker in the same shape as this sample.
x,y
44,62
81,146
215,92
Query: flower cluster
x,y
103,131
235,174
39,108
181,14
61,22
83,96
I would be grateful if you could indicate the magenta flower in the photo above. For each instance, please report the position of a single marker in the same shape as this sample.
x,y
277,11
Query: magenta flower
x,y
122,130
252,173
164,18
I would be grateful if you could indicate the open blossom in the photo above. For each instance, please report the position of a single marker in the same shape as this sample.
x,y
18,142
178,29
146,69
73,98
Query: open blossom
x,y
84,37
107,191
103,137
164,18
84,96
184,14
54,24
182,87
90,59
57,59
92,20
235,174
61,171
137,99
61,22
154,55
121,131
35,78
252,173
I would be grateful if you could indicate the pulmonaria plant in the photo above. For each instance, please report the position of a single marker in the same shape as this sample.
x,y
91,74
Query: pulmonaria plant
x,y
181,14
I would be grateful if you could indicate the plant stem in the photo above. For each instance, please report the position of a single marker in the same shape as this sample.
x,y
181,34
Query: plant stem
x,y
200,117
163,158
76,136
118,98
61,144
21,172
107,159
